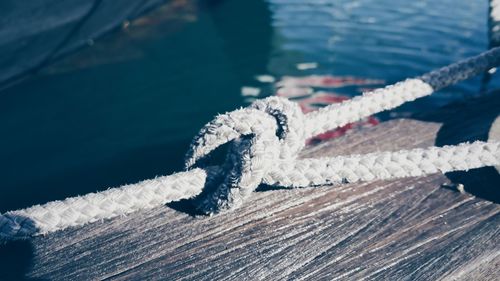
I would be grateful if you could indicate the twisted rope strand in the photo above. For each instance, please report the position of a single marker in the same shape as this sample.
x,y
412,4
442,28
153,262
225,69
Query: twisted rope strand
x,y
266,139
383,165
77,211
340,114
359,107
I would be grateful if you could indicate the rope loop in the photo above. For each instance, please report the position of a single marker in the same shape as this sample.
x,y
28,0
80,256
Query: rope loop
x,y
268,130
264,141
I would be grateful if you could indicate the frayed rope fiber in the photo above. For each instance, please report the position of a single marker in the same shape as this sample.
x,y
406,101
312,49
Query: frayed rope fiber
x,y
266,138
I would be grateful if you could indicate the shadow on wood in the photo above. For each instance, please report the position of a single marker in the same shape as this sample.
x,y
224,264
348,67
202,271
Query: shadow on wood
x,y
470,120
16,258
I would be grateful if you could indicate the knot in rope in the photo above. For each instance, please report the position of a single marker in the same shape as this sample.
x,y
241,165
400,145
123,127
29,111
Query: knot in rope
x,y
269,130
265,139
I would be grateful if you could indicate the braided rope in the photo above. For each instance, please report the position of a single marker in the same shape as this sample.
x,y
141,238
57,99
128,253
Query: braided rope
x,y
384,165
76,211
265,140
337,115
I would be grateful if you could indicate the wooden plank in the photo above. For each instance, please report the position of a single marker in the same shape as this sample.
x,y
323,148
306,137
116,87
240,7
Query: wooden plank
x,y
408,229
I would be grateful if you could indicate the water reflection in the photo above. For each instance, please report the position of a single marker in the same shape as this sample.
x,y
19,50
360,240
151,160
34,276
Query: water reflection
x,y
381,39
126,108
126,43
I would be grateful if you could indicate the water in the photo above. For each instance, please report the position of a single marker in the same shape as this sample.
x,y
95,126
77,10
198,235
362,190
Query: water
x,y
125,108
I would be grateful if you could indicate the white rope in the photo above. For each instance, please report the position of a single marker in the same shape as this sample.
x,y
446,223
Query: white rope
x,y
266,138
384,165
76,211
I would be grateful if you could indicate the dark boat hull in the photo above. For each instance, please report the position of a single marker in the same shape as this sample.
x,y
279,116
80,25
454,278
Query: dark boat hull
x,y
34,33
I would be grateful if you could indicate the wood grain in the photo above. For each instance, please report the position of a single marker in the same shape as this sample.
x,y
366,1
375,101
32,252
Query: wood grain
x,y
408,229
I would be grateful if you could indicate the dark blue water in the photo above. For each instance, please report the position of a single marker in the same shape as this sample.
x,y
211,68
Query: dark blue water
x,y
124,108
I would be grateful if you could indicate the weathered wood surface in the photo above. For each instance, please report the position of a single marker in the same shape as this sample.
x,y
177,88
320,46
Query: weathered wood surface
x,y
409,229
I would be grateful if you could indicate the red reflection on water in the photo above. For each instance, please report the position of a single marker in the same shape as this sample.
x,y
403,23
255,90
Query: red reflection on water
x,y
325,81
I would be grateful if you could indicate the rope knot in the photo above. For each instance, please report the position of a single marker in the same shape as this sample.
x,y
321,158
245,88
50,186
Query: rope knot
x,y
261,134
